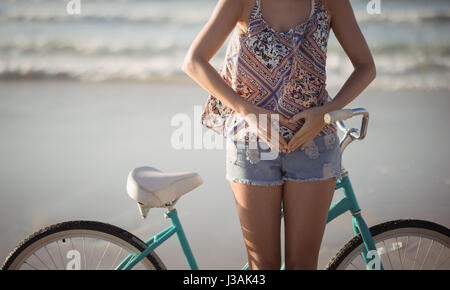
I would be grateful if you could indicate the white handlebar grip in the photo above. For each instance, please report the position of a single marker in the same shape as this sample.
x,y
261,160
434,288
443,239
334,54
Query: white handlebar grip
x,y
338,115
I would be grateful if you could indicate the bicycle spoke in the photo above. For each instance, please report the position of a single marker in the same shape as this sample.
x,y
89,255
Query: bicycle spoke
x,y
30,265
84,254
51,258
41,261
417,252
387,254
354,266
399,255
406,247
443,262
437,259
60,254
91,257
426,255
103,255
71,244
115,260
88,252
130,260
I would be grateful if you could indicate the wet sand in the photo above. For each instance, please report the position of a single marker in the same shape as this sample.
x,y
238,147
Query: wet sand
x,y
67,147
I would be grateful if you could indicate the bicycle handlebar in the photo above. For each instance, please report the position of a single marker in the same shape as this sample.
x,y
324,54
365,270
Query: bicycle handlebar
x,y
339,116
343,114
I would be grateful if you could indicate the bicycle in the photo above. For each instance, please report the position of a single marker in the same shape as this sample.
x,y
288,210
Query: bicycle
x,y
94,245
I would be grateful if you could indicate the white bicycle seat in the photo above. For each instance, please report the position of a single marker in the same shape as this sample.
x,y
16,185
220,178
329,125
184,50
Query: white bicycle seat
x,y
151,187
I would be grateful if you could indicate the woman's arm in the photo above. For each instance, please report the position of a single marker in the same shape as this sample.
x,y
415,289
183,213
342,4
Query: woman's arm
x,y
346,29
212,36
196,64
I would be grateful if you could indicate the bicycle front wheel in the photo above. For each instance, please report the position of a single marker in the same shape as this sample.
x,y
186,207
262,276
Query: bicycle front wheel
x,y
401,245
79,245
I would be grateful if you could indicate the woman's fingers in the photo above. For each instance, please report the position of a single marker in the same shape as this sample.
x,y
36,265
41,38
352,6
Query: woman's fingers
x,y
297,117
271,126
266,134
295,142
283,144
298,140
280,144
268,122
283,119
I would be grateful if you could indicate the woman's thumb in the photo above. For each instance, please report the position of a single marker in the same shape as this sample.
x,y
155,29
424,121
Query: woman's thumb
x,y
296,117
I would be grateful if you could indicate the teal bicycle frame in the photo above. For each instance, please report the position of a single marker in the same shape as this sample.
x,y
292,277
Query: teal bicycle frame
x,y
347,203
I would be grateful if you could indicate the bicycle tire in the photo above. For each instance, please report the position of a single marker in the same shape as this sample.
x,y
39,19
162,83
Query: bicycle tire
x,y
354,246
103,229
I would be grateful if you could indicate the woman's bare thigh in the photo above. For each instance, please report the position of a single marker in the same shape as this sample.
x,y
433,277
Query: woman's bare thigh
x,y
259,210
305,210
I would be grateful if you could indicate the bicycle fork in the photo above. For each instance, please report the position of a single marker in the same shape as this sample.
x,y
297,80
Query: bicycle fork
x,y
369,253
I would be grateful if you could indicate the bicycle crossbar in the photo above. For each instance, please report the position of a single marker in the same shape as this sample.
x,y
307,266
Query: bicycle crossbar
x,y
152,243
131,260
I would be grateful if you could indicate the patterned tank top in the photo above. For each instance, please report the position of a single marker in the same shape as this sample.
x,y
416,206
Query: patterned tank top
x,y
280,71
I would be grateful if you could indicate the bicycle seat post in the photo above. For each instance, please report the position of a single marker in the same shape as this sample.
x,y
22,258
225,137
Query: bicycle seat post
x,y
173,215
169,209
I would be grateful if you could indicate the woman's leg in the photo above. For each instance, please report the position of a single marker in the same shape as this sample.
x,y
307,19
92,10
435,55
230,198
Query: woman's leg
x,y
259,210
305,208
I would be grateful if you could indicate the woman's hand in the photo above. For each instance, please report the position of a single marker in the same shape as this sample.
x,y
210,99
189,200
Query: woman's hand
x,y
253,117
314,122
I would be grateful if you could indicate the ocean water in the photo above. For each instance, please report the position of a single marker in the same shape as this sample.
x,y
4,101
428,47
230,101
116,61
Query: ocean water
x,y
137,40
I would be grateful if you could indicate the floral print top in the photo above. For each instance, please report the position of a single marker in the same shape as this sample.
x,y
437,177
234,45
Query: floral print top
x,y
280,71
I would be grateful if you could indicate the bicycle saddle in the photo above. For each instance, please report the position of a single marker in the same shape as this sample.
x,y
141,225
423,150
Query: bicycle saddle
x,y
151,187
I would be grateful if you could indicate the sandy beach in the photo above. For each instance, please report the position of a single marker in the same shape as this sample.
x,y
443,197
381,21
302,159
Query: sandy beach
x,y
67,148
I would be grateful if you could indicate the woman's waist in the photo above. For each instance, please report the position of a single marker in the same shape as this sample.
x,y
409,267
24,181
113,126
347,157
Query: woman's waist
x,y
240,128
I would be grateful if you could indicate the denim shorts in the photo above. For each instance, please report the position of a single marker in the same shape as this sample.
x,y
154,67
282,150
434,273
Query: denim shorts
x,y
256,164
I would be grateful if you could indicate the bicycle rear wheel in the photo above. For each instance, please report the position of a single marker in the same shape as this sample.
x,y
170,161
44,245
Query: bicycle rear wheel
x,y
85,245
401,245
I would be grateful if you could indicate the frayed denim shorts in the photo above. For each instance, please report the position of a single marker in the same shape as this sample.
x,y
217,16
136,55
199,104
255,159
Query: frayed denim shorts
x,y
256,164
